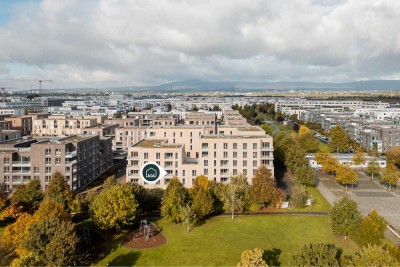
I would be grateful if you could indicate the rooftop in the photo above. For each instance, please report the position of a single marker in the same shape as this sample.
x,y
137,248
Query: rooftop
x,y
156,143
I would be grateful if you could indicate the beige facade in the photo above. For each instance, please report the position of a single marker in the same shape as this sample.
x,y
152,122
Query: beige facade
x,y
22,123
189,151
79,158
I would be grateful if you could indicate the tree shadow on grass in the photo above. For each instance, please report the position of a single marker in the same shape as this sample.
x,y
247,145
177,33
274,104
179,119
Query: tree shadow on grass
x,y
128,259
271,257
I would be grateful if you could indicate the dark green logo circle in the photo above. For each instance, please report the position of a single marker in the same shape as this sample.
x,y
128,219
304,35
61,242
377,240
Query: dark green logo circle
x,y
150,172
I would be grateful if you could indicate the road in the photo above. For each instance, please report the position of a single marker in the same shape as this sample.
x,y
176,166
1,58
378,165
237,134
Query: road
x,y
369,195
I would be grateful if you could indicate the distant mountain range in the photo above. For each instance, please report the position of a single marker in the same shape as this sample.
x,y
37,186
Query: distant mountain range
x,y
242,87
237,86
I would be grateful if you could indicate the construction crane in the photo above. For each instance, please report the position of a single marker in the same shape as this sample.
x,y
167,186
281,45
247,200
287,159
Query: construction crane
x,y
30,80
40,85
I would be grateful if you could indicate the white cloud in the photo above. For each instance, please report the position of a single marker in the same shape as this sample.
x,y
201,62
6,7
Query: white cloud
x,y
148,42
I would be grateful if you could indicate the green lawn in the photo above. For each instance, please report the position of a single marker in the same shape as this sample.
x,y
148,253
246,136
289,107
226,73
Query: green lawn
x,y
220,241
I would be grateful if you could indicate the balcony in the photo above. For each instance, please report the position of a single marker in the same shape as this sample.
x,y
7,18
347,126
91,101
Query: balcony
x,y
70,154
21,163
72,162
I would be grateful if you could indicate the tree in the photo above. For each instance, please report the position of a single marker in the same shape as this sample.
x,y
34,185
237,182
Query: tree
x,y
346,176
15,233
305,175
371,230
318,255
51,209
345,217
306,139
263,185
372,168
251,258
109,182
202,202
373,255
114,207
52,241
339,139
169,107
58,190
359,157
201,181
188,216
390,175
330,165
298,197
237,194
393,155
28,195
3,198
175,197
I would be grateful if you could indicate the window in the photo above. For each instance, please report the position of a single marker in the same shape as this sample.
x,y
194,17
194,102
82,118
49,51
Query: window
x,y
146,155
235,163
244,163
205,171
58,161
244,154
254,163
235,172
225,154
215,146
48,170
206,163
58,151
254,145
244,146
254,154
6,169
244,171
35,169
225,145
234,154
158,155
204,154
204,145
47,178
193,173
47,152
234,145
265,144
6,160
47,161
6,178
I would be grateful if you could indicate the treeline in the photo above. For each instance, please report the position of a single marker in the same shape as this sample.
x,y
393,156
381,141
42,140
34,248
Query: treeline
x,y
256,113
39,227
207,198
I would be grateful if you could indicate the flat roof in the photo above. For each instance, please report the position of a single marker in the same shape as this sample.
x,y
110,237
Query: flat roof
x,y
220,136
156,143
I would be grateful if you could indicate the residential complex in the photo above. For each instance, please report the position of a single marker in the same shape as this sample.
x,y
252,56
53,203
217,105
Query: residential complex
x,y
79,158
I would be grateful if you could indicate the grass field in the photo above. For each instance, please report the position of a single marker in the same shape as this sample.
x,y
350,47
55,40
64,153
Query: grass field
x,y
220,241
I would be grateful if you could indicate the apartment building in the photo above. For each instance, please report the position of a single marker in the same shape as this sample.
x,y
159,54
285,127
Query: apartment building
x,y
22,123
79,158
380,137
186,152
60,125
346,159
6,135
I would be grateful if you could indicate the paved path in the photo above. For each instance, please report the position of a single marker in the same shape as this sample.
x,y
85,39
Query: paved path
x,y
369,195
276,128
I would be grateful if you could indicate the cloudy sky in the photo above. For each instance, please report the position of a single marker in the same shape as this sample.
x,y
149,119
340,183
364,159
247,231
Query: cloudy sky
x,y
112,43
